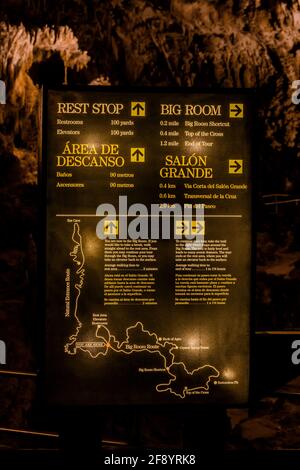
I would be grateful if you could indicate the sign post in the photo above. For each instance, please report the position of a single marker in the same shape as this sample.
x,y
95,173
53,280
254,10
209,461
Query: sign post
x,y
148,246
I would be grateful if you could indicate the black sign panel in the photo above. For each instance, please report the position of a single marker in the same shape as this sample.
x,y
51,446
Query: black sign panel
x,y
136,311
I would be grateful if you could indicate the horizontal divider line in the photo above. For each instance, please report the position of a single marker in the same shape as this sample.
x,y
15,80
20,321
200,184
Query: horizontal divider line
x,y
148,215
56,435
278,332
30,433
16,372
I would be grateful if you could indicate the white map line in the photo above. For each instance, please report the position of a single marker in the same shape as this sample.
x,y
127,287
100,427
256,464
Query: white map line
x,y
120,347
81,272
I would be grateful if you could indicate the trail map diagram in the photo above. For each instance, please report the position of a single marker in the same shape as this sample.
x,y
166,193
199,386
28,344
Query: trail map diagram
x,y
180,381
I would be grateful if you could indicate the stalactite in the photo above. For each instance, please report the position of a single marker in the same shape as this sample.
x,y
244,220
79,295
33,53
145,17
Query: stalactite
x,y
19,50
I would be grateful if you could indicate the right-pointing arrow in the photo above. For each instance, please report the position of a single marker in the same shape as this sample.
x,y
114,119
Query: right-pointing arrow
x,y
199,228
181,227
237,110
236,166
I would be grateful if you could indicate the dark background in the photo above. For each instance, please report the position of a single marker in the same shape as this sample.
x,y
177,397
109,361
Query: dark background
x,y
247,43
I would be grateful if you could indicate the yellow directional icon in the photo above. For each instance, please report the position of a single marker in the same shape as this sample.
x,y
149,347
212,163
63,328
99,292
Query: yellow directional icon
x,y
182,227
236,110
138,108
111,227
190,227
235,167
137,154
198,228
